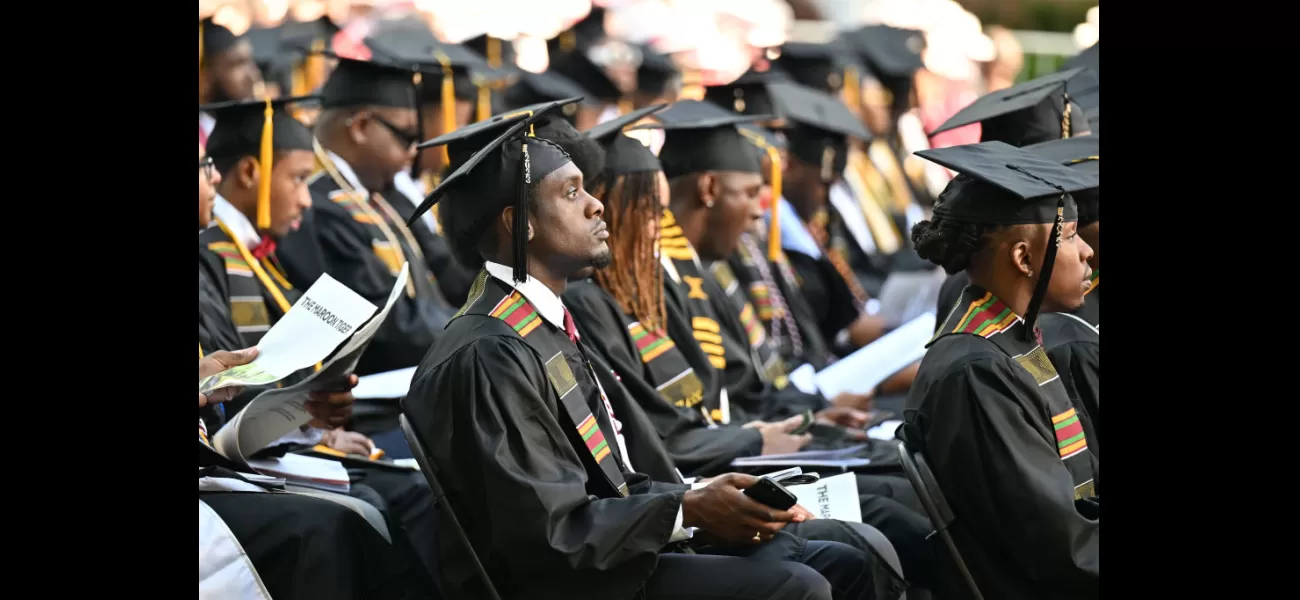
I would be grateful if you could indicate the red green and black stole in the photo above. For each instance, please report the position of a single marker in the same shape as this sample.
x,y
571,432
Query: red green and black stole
x,y
769,364
982,314
493,298
259,291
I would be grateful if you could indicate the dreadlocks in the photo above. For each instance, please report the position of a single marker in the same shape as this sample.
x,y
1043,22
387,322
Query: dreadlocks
x,y
636,282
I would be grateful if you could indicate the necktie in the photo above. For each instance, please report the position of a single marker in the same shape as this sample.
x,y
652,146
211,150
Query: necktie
x,y
569,328
263,248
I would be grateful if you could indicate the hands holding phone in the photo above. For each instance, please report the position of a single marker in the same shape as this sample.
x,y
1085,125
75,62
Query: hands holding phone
x,y
724,512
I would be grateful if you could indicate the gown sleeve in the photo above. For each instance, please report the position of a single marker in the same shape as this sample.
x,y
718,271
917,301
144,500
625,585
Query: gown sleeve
x,y
1004,478
508,435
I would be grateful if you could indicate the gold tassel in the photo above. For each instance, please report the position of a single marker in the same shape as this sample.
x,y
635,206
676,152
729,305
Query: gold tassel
x,y
774,219
1065,119
853,90
494,52
315,66
264,175
448,102
483,110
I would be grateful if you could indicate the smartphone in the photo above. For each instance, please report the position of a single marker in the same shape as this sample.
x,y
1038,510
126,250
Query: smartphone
x,y
772,494
808,420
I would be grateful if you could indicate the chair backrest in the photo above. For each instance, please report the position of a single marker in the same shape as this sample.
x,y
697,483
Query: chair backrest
x,y
940,513
439,500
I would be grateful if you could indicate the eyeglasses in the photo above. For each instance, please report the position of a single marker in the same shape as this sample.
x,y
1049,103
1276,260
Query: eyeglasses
x,y
208,168
407,138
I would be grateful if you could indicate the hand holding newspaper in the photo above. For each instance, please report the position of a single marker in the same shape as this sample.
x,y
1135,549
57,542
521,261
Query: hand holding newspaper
x,y
278,412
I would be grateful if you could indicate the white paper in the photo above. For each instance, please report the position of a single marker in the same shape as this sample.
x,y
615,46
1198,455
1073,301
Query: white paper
x,y
862,371
383,386
886,430
831,498
318,473
908,295
278,412
316,324
804,379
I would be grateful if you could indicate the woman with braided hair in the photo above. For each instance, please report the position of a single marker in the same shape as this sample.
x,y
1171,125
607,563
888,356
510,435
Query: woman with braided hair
x,y
988,410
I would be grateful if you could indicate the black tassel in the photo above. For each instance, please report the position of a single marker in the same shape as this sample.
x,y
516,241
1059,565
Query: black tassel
x,y
416,79
1045,277
521,221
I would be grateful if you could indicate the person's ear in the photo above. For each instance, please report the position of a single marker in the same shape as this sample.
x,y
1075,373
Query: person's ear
x,y
246,172
507,220
706,186
1022,257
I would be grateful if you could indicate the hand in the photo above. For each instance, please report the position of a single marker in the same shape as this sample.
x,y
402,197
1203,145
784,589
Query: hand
x,y
348,442
866,329
852,400
798,509
779,439
332,409
217,362
753,424
725,512
848,417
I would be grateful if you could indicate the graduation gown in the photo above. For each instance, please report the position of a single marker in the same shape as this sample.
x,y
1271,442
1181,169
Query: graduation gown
x,y
950,294
513,418
996,424
786,316
1074,347
660,380
756,387
361,241
452,277
824,285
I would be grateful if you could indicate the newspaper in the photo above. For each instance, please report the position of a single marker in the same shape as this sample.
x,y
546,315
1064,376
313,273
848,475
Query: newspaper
x,y
316,324
863,370
275,413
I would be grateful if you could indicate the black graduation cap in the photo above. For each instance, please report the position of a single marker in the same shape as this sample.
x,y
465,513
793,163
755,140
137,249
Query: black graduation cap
x,y
306,41
816,65
818,126
578,67
490,171
748,94
540,88
214,39
623,154
1001,184
890,52
497,52
1089,58
1094,122
656,72
1026,113
702,136
257,128
1082,153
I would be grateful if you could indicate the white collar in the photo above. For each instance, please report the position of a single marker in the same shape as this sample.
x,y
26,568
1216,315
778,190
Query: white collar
x,y
346,171
207,122
542,298
239,224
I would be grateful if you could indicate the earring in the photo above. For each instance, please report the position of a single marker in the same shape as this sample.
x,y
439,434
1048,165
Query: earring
x,y
1031,274
708,204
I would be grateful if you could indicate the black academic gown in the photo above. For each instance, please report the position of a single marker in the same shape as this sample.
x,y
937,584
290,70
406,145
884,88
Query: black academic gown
x,y
657,375
226,279
306,548
358,242
1074,347
500,401
950,294
771,288
453,278
824,288
1005,443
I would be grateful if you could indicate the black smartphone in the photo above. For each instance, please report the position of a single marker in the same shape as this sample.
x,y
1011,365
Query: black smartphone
x,y
772,494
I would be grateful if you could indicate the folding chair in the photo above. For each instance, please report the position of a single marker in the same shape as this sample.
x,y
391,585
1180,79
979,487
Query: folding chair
x,y
932,499
439,501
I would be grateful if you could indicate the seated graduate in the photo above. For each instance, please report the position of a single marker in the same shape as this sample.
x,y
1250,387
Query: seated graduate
x,y
988,410
365,135
1036,111
261,166
535,469
623,311
1072,334
291,545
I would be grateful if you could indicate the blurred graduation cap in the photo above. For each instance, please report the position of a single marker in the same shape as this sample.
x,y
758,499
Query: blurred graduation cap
x,y
625,155
1000,184
818,126
492,164
257,128
579,68
817,65
1090,58
1084,154
702,136
656,72
539,88
891,55
1034,111
748,94
306,41
214,39
1094,121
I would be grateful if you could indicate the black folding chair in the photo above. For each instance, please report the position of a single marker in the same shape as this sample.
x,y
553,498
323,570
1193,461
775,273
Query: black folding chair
x,y
439,500
932,499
